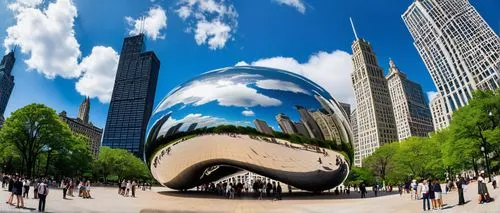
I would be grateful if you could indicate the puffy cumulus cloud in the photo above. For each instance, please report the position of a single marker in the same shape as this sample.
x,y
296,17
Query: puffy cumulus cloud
x,y
241,63
331,70
281,85
99,71
431,95
297,4
47,36
224,92
150,25
213,22
248,113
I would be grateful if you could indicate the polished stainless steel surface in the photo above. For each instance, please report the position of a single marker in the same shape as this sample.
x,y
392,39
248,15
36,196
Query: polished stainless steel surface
x,y
268,121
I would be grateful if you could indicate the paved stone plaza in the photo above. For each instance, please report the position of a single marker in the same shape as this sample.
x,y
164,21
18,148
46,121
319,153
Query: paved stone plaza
x,y
159,200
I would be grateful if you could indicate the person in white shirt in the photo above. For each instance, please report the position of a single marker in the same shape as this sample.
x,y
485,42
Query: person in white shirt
x,y
425,195
43,191
26,185
129,187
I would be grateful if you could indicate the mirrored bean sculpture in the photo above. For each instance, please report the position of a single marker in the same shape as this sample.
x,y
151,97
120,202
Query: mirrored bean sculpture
x,y
271,122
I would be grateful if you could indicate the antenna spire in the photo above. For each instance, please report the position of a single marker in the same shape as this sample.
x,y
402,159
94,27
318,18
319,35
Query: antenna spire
x,y
353,29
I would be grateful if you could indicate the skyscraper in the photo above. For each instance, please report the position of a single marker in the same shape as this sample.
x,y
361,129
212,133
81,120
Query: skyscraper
x,y
411,112
262,127
440,118
460,50
347,108
83,112
327,125
286,124
133,96
6,80
375,117
310,124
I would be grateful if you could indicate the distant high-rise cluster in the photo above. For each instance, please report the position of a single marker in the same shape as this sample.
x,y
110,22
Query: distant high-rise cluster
x,y
6,82
320,124
133,95
460,50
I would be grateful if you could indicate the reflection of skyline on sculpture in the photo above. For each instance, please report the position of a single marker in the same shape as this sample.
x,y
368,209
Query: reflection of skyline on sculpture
x,y
250,104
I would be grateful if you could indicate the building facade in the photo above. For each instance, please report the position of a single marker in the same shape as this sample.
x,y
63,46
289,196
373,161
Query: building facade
x,y
375,117
459,49
263,127
286,124
354,128
347,108
440,118
133,96
84,127
411,111
6,80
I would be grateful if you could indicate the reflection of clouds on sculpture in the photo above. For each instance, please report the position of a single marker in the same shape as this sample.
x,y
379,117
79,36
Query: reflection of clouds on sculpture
x,y
232,90
280,85
199,119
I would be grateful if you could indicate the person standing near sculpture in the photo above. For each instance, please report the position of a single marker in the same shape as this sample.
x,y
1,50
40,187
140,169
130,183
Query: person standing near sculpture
x,y
460,182
43,191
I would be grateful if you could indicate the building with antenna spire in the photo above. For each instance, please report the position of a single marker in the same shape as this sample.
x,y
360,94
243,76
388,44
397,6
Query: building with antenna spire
x,y
133,96
6,82
411,111
375,117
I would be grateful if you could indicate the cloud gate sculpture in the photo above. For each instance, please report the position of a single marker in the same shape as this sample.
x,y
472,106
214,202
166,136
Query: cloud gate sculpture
x,y
267,121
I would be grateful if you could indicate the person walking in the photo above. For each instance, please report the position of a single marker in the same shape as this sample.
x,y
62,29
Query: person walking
x,y
494,182
482,189
460,182
26,185
438,194
278,191
425,196
134,185
432,196
11,189
375,189
362,188
64,185
43,191
19,193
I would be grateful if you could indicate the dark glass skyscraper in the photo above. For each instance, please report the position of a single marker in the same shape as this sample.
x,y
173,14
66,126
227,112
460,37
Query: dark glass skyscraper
x,y
133,97
6,80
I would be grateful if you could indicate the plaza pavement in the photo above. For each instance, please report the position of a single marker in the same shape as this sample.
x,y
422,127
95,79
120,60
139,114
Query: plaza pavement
x,y
161,200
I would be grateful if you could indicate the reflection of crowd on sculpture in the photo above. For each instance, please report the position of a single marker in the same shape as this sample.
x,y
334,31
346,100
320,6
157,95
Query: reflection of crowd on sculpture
x,y
305,147
231,190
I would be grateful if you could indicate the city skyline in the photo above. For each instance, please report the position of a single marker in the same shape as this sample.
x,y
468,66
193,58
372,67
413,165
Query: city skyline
x,y
244,45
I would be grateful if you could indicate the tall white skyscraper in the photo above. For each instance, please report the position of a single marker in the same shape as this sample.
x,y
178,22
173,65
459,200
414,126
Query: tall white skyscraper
x,y
411,112
439,118
375,118
460,50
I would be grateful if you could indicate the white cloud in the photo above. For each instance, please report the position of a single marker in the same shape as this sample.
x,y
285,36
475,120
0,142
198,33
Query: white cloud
x,y
331,70
281,85
431,95
99,71
214,21
47,35
297,4
248,113
151,25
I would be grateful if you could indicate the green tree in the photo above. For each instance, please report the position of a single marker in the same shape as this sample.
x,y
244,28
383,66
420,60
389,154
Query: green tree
x,y
74,160
32,130
381,161
119,163
358,175
419,157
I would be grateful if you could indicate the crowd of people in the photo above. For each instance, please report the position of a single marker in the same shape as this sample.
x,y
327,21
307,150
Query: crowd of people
x,y
431,192
260,189
18,188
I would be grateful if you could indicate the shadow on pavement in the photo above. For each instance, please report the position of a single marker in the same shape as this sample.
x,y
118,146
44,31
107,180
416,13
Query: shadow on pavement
x,y
286,196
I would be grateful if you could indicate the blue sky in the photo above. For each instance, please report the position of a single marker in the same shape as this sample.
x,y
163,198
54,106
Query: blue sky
x,y
309,37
